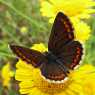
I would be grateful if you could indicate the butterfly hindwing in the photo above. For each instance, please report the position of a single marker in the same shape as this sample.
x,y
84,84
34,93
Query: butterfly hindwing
x,y
71,54
29,55
61,33
53,71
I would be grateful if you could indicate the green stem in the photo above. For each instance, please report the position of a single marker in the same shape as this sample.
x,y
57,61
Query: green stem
x,y
7,55
12,37
23,15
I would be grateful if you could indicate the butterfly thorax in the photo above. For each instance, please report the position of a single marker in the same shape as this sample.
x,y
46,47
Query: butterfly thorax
x,y
50,57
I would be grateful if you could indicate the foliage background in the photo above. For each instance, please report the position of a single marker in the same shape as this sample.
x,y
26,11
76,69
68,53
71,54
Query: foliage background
x,y
18,14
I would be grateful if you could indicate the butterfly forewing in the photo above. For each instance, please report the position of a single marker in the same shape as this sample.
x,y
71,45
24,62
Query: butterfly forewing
x,y
61,33
29,55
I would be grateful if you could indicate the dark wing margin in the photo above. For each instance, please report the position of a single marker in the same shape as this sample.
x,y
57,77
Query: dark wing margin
x,y
29,55
71,54
61,33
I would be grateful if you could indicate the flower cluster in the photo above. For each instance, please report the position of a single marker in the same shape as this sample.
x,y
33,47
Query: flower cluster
x,y
6,74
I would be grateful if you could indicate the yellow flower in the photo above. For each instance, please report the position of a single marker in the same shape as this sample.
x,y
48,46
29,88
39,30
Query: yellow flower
x,y
82,30
39,47
6,75
31,81
23,29
89,84
88,77
72,8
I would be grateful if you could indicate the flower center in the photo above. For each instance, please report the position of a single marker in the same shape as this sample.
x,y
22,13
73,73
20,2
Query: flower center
x,y
50,88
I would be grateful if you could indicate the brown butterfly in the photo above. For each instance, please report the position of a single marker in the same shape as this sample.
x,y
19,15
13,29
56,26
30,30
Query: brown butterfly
x,y
64,53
